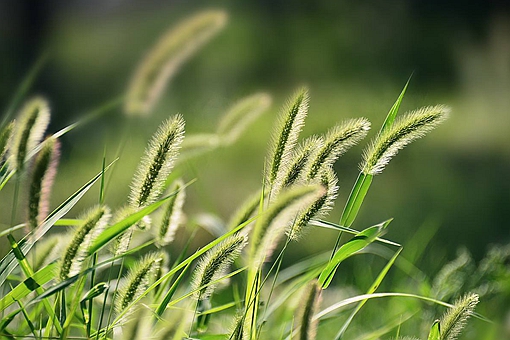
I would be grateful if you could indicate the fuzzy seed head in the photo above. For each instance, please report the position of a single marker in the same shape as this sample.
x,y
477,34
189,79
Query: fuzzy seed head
x,y
279,217
121,244
167,56
214,265
33,120
157,162
406,129
454,320
311,302
5,139
241,115
320,207
336,142
173,215
300,159
43,175
138,280
75,254
284,139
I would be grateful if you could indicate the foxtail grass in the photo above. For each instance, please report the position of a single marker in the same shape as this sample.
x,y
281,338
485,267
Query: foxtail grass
x,y
454,320
290,122
405,129
310,304
76,252
157,162
336,142
137,280
43,175
5,139
214,265
167,56
33,119
300,159
173,215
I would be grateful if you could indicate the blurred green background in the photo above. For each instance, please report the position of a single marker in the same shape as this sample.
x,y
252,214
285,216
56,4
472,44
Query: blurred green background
x,y
354,56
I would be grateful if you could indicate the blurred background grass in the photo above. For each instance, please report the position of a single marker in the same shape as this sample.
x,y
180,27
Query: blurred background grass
x,y
354,56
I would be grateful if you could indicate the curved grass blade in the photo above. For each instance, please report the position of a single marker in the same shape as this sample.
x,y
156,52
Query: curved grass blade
x,y
8,263
29,285
168,296
354,245
371,290
118,228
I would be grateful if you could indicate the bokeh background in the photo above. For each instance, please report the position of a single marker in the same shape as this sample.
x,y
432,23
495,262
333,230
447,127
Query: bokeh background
x,y
355,56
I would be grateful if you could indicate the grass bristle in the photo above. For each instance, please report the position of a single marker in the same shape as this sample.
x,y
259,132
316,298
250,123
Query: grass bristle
x,y
241,115
405,129
43,175
5,139
137,280
310,304
300,159
290,122
320,206
173,214
214,265
157,162
76,252
454,320
33,119
166,57
336,142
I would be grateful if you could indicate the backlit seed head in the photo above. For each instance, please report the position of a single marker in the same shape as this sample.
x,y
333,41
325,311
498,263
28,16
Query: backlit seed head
x,y
405,129
173,214
454,320
157,162
33,119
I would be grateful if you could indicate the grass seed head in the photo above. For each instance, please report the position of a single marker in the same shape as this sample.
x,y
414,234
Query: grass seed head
x,y
285,136
406,129
241,115
157,162
454,320
300,159
214,265
336,142
138,280
320,207
167,56
311,302
5,139
173,214
43,175
33,119
94,221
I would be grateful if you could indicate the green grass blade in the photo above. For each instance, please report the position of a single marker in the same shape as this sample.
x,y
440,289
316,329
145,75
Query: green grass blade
x,y
29,285
8,263
334,226
181,265
390,118
168,296
371,290
354,245
218,309
434,333
356,198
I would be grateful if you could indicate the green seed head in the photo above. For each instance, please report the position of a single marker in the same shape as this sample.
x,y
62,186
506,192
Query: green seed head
x,y
291,121
214,265
76,252
167,56
173,215
5,139
406,129
33,119
43,174
336,142
157,162
310,304
454,320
